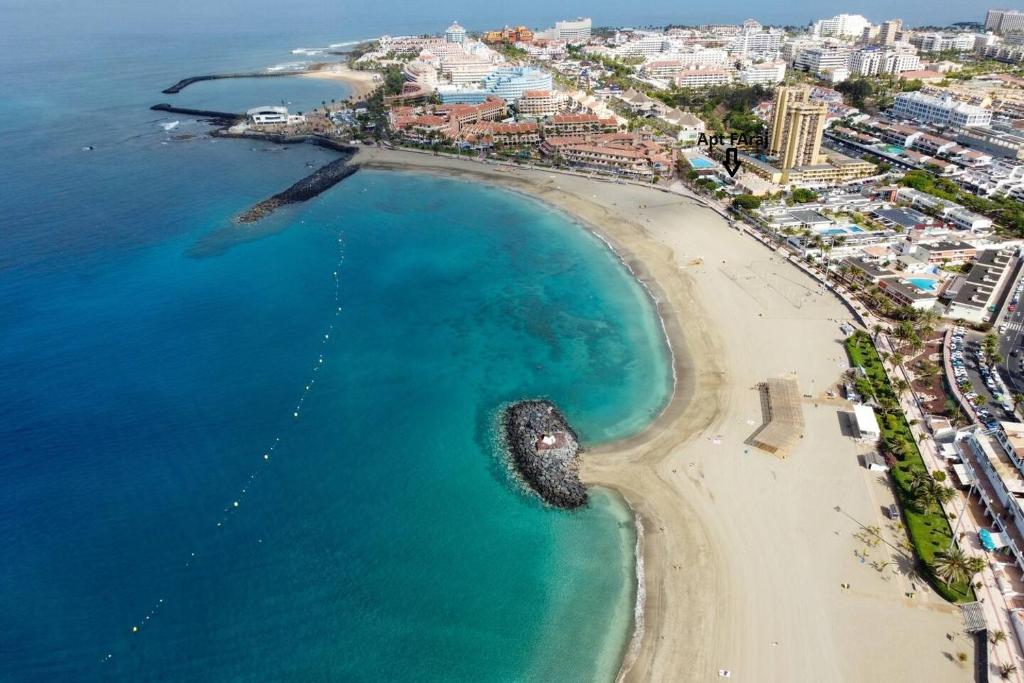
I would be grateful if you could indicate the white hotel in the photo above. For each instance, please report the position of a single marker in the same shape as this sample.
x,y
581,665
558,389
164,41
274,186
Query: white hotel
x,y
943,111
767,73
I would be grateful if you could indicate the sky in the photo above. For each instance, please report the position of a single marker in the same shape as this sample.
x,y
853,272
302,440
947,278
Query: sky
x,y
350,19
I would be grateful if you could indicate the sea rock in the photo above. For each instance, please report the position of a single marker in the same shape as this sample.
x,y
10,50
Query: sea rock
x,y
545,452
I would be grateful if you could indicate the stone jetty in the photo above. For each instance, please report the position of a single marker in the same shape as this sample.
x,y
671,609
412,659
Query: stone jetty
x,y
545,452
185,82
320,180
225,118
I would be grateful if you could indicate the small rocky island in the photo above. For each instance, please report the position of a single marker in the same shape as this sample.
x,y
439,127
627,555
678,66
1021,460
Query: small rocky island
x,y
545,452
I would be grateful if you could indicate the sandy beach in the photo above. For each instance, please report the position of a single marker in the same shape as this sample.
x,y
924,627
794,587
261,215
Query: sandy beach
x,y
745,554
362,83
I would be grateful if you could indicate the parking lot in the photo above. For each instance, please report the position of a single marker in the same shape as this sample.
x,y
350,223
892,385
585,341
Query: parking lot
x,y
987,391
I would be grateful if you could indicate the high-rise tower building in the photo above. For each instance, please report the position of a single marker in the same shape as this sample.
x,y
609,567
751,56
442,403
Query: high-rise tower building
x,y
888,30
797,128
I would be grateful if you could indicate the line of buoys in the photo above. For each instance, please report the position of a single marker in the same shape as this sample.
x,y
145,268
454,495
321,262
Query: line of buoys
x,y
236,501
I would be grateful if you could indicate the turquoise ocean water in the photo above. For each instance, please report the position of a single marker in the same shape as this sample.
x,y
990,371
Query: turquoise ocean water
x,y
150,359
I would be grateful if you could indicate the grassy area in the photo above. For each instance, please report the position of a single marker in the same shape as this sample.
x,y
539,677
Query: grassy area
x,y
927,526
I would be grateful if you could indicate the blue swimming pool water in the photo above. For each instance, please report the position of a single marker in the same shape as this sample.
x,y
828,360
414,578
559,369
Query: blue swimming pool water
x,y
701,163
923,283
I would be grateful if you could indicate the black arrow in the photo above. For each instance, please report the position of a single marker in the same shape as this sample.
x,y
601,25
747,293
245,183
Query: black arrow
x,y
732,161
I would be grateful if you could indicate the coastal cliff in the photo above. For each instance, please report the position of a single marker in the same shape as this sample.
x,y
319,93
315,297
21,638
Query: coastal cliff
x,y
320,180
545,452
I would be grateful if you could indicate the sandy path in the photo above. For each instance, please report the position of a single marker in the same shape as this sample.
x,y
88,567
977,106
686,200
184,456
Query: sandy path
x,y
744,553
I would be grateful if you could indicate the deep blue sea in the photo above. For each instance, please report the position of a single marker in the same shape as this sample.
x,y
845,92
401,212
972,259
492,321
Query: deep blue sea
x,y
275,458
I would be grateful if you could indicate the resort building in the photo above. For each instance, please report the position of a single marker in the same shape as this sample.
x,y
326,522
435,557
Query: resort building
x,y
701,78
765,73
615,153
578,124
465,70
754,40
483,135
510,82
572,31
951,212
841,25
941,110
539,103
690,127
945,252
976,298
455,34
1004,20
999,140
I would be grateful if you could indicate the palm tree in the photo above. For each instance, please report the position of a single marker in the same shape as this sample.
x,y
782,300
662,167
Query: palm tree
x,y
955,566
941,493
997,637
1007,670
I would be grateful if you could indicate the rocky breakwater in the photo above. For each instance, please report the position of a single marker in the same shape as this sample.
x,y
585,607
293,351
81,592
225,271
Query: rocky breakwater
x,y
322,179
545,452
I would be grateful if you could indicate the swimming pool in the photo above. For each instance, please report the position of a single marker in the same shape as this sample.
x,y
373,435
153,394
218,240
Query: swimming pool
x,y
894,149
923,283
701,163
840,230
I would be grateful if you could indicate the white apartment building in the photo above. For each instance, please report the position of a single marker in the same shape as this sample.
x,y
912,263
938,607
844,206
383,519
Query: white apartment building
x,y
766,73
841,26
940,42
466,70
662,69
822,58
756,41
872,61
941,110
455,34
641,46
539,103
573,31
1004,20
701,77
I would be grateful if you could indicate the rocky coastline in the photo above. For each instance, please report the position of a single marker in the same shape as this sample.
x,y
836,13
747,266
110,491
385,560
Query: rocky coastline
x,y
320,180
545,452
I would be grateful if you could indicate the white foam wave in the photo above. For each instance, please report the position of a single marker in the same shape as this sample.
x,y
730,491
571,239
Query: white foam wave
x,y
289,66
638,606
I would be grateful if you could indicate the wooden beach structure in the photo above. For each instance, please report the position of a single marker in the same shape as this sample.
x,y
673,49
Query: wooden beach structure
x,y
783,415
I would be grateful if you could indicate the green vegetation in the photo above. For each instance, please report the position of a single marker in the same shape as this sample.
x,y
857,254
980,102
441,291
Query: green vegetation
x,y
393,79
802,195
746,201
917,492
1006,212
858,90
722,107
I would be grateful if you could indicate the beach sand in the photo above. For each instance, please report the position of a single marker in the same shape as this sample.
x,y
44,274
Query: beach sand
x,y
744,553
362,83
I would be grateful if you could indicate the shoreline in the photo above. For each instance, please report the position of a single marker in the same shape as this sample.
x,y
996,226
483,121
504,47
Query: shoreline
x,y
361,83
729,576
666,428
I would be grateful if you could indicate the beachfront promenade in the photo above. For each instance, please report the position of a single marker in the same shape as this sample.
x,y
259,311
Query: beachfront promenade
x,y
994,603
